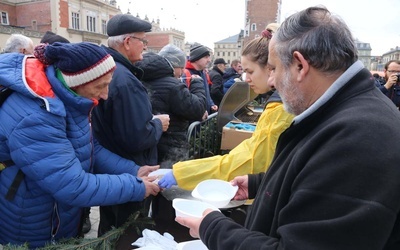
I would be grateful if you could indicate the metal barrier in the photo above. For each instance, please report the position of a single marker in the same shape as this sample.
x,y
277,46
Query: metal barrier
x,y
204,138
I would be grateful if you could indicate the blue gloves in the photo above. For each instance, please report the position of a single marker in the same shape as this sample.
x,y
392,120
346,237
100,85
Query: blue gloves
x,y
167,181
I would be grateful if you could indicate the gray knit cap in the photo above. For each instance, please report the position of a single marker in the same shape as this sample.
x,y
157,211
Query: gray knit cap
x,y
174,55
197,52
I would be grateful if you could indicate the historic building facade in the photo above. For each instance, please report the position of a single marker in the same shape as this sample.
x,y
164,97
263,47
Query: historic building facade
x,y
76,20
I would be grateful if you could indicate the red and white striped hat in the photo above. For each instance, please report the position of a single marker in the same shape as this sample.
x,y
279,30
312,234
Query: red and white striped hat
x,y
79,63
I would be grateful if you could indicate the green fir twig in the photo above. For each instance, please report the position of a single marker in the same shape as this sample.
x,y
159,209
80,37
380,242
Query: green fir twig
x,y
104,242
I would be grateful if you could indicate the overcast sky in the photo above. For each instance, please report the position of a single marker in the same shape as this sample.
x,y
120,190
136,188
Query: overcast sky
x,y
209,21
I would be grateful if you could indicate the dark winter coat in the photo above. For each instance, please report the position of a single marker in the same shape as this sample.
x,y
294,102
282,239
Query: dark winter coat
x,y
326,188
217,87
393,92
170,96
230,73
124,123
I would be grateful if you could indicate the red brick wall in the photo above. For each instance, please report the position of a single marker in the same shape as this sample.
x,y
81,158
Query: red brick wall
x,y
261,12
157,41
64,19
12,15
39,11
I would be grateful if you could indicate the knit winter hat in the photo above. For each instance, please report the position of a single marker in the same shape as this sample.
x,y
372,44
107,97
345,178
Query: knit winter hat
x,y
174,55
50,37
79,63
197,52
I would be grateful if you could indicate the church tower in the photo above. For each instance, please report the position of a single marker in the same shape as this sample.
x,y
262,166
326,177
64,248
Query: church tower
x,y
259,13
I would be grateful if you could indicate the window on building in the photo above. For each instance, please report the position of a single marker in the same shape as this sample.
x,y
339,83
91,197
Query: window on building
x,y
34,25
218,54
223,53
91,23
75,21
104,27
229,53
4,18
234,54
253,27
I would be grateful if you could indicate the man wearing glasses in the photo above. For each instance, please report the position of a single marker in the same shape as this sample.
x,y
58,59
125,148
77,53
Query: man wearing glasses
x,y
124,123
392,77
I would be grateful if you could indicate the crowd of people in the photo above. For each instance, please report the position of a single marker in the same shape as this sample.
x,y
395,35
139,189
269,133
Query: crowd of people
x,y
84,125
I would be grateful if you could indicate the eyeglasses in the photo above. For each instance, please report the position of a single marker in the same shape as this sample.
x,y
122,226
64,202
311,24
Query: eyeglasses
x,y
393,71
144,41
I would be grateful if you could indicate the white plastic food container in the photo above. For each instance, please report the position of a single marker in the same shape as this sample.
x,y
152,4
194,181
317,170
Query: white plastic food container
x,y
192,245
190,208
215,192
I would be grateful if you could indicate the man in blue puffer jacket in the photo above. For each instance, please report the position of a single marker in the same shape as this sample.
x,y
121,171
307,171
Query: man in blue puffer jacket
x,y
45,134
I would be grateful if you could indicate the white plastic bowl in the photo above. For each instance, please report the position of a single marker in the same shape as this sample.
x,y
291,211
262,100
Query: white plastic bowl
x,y
160,172
215,192
190,208
192,245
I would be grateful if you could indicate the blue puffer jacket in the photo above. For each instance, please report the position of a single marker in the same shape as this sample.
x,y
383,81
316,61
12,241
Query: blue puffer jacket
x,y
45,130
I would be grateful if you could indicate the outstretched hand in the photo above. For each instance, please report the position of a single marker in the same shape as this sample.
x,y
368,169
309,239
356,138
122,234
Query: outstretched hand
x,y
167,181
151,187
146,170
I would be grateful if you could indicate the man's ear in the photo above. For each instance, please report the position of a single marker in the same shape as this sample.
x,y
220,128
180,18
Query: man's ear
x,y
301,64
126,42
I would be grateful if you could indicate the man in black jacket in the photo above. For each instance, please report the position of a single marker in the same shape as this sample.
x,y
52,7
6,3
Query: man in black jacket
x,y
124,123
169,95
326,187
217,87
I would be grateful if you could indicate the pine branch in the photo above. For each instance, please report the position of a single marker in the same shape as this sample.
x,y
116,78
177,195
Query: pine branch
x,y
104,242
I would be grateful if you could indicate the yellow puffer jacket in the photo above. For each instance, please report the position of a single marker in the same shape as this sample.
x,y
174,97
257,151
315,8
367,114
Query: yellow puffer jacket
x,y
253,155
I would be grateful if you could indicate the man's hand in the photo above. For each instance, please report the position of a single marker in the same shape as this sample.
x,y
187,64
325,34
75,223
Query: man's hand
x,y
214,108
164,121
151,187
205,116
193,223
391,81
146,170
243,183
167,181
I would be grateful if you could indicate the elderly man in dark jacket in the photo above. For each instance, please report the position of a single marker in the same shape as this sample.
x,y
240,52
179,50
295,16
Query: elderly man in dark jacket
x,y
124,123
169,95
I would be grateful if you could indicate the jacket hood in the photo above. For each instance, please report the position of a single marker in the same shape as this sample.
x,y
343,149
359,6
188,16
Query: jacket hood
x,y
189,65
12,71
154,67
29,77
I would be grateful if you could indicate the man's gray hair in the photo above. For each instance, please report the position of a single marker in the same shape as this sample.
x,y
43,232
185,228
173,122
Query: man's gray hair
x,y
116,41
16,42
323,39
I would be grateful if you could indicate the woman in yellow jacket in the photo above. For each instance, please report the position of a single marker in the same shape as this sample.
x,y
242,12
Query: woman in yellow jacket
x,y
253,155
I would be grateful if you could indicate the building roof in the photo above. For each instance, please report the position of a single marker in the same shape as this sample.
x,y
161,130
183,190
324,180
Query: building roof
x,y
231,39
